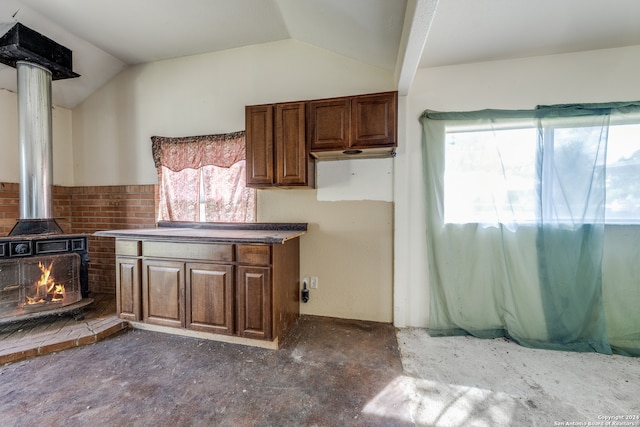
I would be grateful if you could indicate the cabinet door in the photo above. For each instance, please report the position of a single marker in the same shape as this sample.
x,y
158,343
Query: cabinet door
x,y
373,120
328,124
210,298
253,293
163,292
259,143
293,162
128,288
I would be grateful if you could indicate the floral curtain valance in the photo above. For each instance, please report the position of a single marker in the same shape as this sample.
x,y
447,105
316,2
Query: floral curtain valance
x,y
178,153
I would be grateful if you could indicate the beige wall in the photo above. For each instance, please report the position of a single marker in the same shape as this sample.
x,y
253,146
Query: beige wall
x,y
349,247
596,76
350,241
9,141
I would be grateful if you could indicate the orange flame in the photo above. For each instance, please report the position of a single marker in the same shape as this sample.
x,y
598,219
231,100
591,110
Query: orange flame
x,y
46,288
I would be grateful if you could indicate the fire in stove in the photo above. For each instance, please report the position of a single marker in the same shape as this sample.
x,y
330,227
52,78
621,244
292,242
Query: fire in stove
x,y
35,284
46,289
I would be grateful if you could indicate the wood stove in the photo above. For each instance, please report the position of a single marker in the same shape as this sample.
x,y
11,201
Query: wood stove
x,y
64,258
41,268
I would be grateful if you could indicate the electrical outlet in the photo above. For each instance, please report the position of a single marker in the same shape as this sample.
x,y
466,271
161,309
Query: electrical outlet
x,y
314,282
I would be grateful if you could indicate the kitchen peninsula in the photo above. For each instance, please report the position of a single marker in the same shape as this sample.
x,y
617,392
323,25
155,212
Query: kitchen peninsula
x,y
230,282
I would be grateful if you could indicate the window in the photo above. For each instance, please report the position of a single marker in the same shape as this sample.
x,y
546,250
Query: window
x,y
203,178
623,174
491,175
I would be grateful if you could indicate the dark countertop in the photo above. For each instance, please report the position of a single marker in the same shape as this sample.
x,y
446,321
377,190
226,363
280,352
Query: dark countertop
x,y
252,233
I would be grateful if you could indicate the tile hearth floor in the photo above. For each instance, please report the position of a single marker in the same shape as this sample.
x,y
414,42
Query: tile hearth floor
x,y
35,337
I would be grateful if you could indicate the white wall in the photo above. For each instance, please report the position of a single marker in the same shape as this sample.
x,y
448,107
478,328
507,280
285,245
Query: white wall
x,y
9,161
596,76
350,241
9,141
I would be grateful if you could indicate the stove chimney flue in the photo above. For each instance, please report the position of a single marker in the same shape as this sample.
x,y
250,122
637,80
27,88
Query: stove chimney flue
x,y
38,61
34,128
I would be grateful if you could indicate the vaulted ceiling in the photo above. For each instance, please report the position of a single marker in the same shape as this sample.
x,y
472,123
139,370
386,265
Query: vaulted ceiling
x,y
398,35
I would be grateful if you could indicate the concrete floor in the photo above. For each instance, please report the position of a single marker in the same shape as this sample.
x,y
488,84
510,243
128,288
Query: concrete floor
x,y
465,381
329,372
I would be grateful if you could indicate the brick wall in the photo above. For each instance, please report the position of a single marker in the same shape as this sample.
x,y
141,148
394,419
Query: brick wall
x,y
9,206
87,210
62,208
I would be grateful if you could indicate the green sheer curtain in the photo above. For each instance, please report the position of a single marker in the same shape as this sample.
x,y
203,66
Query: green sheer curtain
x,y
530,267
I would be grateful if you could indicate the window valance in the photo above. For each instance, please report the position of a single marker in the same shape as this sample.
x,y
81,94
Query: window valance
x,y
178,153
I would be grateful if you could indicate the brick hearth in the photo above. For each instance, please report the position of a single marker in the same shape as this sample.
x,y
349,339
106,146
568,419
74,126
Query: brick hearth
x,y
30,338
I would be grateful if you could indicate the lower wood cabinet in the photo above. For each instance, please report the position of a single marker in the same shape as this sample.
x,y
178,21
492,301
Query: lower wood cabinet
x,y
198,296
128,302
249,291
163,292
254,302
210,298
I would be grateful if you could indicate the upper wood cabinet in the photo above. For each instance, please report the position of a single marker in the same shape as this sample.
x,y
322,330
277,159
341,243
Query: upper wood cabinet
x,y
277,153
284,139
259,137
329,124
373,121
292,156
363,125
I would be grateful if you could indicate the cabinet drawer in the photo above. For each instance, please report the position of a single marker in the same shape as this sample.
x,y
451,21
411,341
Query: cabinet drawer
x,y
254,254
190,251
128,247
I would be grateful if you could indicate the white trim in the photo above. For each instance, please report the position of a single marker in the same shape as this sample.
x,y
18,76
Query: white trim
x,y
417,23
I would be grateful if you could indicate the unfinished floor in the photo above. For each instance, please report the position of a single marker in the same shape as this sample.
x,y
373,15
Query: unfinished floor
x,y
329,372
